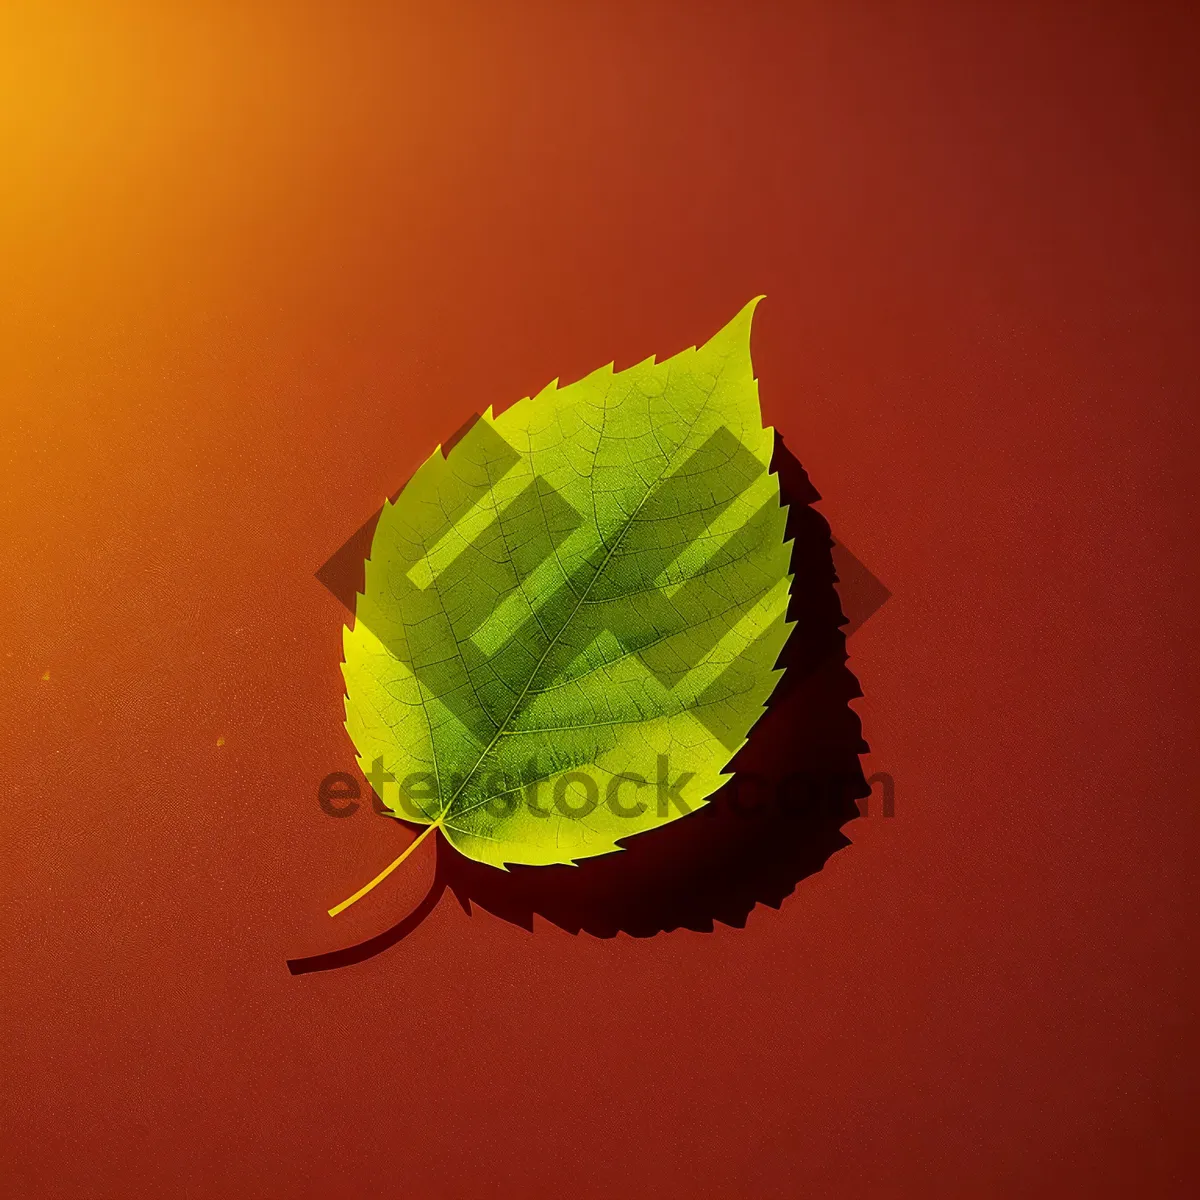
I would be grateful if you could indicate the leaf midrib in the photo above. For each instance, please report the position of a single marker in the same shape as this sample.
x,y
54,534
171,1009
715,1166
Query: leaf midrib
x,y
502,727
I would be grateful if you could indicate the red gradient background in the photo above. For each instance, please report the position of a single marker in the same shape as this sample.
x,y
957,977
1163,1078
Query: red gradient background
x,y
258,260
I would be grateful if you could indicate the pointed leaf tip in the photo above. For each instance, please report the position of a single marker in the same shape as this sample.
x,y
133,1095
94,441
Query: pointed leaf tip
x,y
746,316
736,334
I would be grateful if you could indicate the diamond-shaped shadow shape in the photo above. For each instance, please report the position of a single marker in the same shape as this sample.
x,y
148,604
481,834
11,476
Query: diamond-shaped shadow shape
x,y
343,572
862,595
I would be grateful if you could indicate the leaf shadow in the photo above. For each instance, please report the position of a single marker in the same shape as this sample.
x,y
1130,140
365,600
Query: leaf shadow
x,y
775,823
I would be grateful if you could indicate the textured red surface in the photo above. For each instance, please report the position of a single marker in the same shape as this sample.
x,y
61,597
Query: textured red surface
x,y
261,263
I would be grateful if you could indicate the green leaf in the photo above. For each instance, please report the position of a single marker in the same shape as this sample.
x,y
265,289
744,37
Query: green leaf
x,y
571,622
